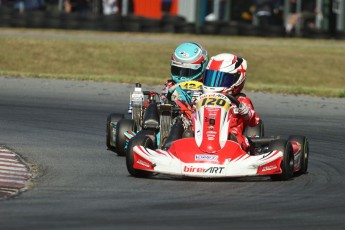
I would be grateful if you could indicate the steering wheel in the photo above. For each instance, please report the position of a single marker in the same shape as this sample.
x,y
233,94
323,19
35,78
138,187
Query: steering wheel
x,y
233,99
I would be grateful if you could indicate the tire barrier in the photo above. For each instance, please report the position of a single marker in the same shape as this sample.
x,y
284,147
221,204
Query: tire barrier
x,y
134,23
229,28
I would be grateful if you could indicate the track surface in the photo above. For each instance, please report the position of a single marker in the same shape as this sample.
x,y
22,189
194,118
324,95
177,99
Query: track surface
x,y
60,127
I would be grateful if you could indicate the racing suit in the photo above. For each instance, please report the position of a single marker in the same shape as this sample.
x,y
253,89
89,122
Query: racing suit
x,y
240,122
167,91
188,92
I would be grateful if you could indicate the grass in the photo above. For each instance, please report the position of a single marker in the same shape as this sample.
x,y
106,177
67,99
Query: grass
x,y
278,65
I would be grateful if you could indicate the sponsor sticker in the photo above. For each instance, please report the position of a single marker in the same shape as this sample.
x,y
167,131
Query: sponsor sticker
x,y
211,135
210,170
143,163
269,168
184,54
204,157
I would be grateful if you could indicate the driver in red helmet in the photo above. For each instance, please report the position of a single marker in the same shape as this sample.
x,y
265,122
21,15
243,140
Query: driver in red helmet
x,y
226,73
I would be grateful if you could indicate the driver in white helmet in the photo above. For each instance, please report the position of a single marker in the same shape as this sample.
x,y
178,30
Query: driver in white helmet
x,y
226,73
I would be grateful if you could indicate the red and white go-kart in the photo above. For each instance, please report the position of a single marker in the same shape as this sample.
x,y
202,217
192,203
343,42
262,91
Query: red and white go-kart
x,y
210,153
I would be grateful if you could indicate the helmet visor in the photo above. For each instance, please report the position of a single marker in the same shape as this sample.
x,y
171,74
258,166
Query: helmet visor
x,y
185,72
214,78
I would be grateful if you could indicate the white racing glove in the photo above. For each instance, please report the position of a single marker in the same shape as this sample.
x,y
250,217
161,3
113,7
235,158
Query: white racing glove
x,y
243,110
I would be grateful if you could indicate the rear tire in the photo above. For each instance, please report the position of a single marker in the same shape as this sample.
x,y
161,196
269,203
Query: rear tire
x,y
303,141
287,164
137,140
123,126
112,121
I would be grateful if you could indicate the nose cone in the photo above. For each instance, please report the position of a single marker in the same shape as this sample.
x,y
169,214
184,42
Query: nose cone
x,y
210,146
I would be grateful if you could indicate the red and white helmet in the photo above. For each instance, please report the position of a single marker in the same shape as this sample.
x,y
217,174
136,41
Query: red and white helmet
x,y
225,73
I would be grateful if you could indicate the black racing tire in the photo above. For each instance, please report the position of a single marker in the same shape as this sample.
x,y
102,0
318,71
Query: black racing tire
x,y
111,23
53,20
71,21
303,141
139,139
318,34
340,35
6,13
172,19
123,126
248,30
256,131
112,121
132,23
150,25
90,22
186,28
168,28
230,28
18,20
170,23
210,28
132,26
272,31
35,19
287,164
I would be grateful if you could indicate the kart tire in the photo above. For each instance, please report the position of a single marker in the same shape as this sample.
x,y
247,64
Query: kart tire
x,y
210,28
186,28
123,126
229,28
256,131
139,139
303,141
112,121
287,164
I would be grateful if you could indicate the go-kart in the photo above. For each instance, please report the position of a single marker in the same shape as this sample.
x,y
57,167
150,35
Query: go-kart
x,y
149,116
210,153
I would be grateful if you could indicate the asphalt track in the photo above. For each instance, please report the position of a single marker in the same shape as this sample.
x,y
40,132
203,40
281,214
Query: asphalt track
x,y
59,126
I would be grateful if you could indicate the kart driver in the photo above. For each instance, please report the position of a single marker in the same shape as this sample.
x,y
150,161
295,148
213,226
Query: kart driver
x,y
226,73
188,63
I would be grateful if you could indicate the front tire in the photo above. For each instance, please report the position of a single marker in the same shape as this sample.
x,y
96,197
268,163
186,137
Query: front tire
x,y
112,121
303,141
123,126
137,140
287,164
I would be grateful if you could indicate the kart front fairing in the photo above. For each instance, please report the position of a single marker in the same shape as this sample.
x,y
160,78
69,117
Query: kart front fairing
x,y
209,153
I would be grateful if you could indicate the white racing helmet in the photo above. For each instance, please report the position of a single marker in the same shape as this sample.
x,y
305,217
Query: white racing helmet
x,y
225,73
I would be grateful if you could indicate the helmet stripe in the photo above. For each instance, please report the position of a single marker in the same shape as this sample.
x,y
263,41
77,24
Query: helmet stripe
x,y
214,78
218,78
215,65
234,60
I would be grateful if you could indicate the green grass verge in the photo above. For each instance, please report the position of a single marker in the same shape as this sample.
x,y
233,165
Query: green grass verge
x,y
294,66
